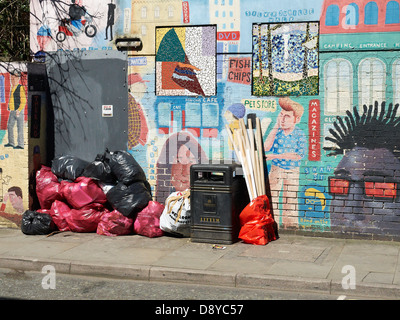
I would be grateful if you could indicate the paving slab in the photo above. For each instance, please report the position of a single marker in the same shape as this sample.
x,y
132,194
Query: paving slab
x,y
242,264
296,268
286,252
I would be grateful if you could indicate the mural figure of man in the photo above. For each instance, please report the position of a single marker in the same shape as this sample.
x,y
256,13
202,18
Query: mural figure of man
x,y
16,106
110,19
14,194
286,144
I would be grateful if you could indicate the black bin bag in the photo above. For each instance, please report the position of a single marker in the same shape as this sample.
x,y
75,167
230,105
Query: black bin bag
x,y
129,199
100,169
125,168
68,167
36,223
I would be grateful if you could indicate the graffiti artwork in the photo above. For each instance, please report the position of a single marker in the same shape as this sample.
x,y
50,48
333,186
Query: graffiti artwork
x,y
79,21
298,66
13,143
185,61
16,106
71,25
179,152
285,59
365,183
287,144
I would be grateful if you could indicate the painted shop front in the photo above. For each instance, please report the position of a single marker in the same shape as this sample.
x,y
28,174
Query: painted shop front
x,y
323,76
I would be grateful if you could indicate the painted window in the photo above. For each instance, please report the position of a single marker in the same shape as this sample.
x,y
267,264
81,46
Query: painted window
x,y
170,12
157,12
209,111
164,114
392,12
352,14
233,47
144,30
396,81
332,15
193,115
144,12
371,81
371,13
338,79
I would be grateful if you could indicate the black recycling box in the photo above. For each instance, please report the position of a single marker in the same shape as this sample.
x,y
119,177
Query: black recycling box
x,y
218,194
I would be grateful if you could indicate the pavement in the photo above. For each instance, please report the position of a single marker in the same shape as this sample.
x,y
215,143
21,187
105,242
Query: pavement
x,y
292,262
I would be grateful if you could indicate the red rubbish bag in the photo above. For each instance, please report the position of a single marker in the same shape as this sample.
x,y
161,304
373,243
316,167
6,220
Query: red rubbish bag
x,y
43,211
81,192
47,187
113,223
85,219
147,221
257,224
59,212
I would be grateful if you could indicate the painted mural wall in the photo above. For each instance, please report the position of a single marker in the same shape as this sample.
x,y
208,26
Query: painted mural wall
x,y
322,75
14,192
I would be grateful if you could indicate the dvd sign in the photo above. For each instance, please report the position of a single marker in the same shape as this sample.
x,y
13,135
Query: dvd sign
x,y
228,36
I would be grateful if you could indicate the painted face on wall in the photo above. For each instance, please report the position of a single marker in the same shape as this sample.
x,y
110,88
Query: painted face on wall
x,y
287,120
14,80
365,190
180,169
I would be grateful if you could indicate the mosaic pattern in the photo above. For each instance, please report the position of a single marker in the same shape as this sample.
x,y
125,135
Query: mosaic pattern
x,y
137,125
186,61
285,59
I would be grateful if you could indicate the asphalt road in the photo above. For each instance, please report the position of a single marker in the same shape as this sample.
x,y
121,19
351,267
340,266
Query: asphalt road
x,y
16,284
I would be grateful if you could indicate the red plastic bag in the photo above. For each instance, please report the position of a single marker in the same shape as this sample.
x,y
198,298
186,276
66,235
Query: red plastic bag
x,y
257,224
47,187
59,212
44,211
85,219
82,192
114,223
147,222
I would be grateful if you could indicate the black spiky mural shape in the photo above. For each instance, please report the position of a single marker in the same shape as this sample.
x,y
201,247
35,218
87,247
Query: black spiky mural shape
x,y
376,127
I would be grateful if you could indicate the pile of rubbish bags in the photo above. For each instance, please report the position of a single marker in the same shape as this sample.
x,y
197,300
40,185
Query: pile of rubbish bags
x,y
109,196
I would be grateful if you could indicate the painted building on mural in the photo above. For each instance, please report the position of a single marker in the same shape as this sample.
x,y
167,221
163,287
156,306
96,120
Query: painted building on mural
x,y
305,68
